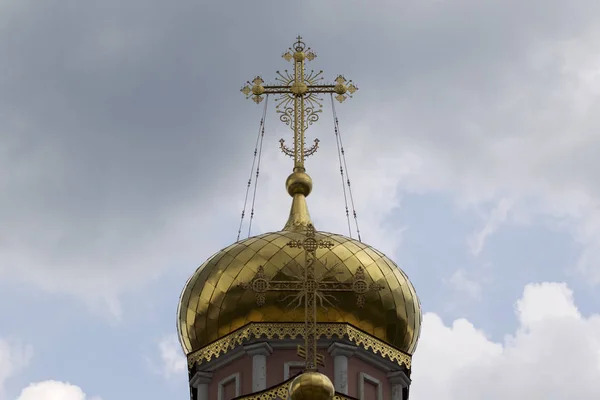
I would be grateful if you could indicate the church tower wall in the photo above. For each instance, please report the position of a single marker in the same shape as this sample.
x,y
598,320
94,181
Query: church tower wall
x,y
232,380
367,381
255,367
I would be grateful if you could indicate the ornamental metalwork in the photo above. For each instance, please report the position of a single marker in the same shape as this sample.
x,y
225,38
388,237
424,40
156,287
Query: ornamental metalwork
x,y
310,289
283,331
299,103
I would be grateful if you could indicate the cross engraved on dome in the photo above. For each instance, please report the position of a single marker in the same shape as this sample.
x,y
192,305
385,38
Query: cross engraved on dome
x,y
298,102
310,289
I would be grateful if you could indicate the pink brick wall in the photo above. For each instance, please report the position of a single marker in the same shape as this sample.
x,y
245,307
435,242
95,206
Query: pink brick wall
x,y
355,367
242,365
275,373
276,361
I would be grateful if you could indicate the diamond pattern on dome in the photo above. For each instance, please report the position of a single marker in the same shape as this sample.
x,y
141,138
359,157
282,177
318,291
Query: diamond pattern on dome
x,y
213,303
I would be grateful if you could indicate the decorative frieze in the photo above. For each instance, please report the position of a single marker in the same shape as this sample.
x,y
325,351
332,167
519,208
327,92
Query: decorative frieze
x,y
287,331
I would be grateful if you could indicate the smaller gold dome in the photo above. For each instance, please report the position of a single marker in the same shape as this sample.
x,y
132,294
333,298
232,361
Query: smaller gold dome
x,y
311,385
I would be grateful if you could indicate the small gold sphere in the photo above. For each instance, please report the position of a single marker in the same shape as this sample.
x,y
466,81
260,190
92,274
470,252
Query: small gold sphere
x,y
311,385
258,90
299,88
298,183
299,56
340,88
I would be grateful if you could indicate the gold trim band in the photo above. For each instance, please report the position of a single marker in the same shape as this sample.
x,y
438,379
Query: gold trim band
x,y
258,330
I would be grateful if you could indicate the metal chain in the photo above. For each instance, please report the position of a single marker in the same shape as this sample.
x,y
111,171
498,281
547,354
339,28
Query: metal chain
x,y
257,153
340,144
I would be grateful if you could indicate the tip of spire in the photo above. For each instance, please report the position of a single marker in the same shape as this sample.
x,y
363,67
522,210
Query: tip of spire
x,y
299,218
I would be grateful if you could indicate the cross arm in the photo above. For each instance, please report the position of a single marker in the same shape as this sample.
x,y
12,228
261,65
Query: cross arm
x,y
310,244
331,286
302,354
322,89
343,88
261,284
258,90
286,286
358,286
277,89
317,89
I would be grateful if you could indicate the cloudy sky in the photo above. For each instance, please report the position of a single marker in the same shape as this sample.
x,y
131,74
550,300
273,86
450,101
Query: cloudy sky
x,y
473,143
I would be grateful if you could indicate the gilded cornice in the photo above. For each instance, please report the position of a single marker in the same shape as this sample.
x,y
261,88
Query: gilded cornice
x,y
280,331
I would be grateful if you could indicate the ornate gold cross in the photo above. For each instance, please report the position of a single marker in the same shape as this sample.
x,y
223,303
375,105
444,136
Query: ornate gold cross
x,y
310,288
299,104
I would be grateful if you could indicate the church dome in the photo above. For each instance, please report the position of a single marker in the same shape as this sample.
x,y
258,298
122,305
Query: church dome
x,y
216,300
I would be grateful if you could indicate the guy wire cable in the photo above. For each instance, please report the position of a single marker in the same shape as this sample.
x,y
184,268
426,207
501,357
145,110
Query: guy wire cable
x,y
262,135
261,131
337,142
339,134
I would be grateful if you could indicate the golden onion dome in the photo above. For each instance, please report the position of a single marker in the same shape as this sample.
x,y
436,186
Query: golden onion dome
x,y
216,301
311,385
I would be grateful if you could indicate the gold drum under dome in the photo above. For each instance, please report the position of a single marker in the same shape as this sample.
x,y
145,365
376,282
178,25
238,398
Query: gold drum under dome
x,y
214,303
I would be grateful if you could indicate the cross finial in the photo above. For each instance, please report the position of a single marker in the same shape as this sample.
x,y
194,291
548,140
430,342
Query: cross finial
x,y
298,101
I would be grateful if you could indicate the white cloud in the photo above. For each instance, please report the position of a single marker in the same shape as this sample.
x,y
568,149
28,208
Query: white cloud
x,y
494,220
173,362
554,354
54,390
13,358
462,283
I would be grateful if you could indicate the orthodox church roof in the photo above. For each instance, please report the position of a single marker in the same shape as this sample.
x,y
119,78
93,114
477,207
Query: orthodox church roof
x,y
217,299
